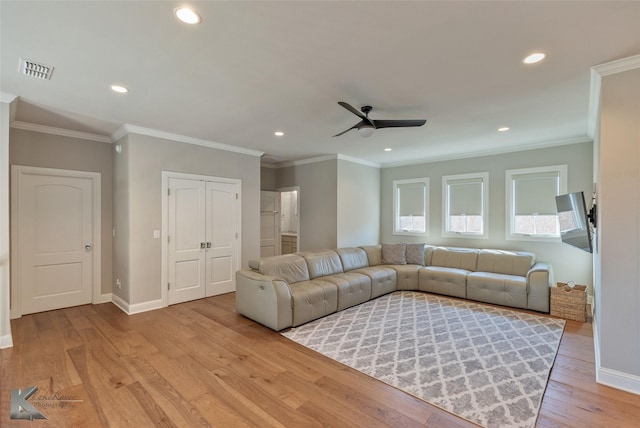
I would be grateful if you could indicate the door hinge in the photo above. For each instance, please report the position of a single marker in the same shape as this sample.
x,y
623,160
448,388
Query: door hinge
x,y
168,239
236,235
236,196
168,192
168,286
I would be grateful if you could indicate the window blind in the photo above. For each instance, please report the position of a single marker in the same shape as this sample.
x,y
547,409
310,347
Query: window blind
x,y
535,193
411,199
465,196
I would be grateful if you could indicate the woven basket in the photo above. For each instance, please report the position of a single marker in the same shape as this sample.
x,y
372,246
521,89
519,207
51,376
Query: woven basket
x,y
571,304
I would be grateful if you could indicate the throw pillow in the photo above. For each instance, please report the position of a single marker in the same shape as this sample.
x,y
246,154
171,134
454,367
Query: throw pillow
x,y
415,254
394,254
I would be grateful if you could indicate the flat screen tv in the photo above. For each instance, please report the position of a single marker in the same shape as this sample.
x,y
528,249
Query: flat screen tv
x,y
574,221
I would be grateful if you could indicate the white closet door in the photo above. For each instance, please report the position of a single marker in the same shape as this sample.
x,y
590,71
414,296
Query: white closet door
x,y
222,237
187,245
54,217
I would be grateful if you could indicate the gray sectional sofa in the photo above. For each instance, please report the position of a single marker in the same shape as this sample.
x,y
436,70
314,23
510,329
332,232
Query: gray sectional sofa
x,y
290,290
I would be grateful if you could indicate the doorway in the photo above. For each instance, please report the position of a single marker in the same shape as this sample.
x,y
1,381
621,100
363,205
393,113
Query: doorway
x,y
201,247
290,219
55,224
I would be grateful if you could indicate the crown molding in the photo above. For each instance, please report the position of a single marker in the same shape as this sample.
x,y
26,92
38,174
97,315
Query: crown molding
x,y
307,161
360,161
133,129
618,66
534,146
597,73
16,124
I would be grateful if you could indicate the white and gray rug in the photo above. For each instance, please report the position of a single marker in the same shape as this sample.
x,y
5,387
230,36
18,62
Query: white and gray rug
x,y
486,364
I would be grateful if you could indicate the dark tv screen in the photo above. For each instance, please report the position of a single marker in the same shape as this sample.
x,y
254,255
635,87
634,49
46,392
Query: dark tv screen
x,y
574,221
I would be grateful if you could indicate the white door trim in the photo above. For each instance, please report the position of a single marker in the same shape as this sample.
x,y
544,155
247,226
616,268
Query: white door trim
x,y
166,175
17,171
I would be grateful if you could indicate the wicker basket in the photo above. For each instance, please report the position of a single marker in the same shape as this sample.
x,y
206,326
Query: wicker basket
x,y
569,303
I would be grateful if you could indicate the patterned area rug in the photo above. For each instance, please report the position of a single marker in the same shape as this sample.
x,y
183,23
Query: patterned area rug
x,y
485,364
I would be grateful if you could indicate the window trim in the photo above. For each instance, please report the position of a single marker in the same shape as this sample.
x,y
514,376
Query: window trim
x,y
396,206
484,177
562,170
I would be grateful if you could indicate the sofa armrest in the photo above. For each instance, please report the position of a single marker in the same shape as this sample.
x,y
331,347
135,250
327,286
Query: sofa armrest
x,y
539,281
265,299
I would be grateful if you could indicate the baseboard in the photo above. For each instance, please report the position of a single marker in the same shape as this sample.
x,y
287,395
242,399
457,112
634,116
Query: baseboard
x,y
618,380
6,341
137,307
613,378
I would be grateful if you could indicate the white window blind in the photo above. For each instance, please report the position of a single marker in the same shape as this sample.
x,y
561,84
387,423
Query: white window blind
x,y
535,193
465,196
410,206
411,199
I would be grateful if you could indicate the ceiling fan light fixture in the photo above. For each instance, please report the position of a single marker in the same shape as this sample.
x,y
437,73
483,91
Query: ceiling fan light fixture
x,y
366,131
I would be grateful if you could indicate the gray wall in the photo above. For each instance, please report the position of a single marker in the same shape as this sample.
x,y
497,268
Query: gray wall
x,y
318,183
358,207
618,279
37,149
267,178
145,158
569,264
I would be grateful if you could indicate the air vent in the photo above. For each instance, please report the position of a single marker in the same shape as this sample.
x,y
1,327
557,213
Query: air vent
x,y
34,69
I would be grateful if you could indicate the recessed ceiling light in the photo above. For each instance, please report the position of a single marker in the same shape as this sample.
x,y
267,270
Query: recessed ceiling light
x,y
119,89
278,133
503,129
534,57
387,149
187,15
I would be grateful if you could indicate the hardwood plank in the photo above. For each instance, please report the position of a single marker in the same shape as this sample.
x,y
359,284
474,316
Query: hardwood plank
x,y
200,363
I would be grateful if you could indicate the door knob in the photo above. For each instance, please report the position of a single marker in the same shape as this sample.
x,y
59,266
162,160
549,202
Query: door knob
x,y
203,245
87,247
208,244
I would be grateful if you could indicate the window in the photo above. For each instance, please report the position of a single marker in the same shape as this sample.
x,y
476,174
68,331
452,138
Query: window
x,y
465,201
410,206
531,205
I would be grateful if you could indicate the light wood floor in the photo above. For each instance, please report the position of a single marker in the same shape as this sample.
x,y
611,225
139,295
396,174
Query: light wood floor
x,y
201,364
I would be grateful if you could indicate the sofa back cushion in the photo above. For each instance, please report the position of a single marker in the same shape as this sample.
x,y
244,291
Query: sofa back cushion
x,y
459,258
505,262
353,258
374,254
322,263
416,254
290,267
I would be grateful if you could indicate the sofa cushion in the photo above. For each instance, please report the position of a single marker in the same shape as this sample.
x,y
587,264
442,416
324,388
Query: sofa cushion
x,y
415,254
352,258
322,263
505,262
496,288
443,280
458,258
406,276
394,254
353,288
312,300
374,254
290,267
383,279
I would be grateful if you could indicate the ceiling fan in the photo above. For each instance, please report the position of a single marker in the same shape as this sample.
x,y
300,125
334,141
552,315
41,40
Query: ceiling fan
x,y
366,126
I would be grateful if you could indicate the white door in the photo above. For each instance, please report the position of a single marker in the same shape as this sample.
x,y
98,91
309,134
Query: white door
x,y
221,237
269,224
186,224
55,226
203,236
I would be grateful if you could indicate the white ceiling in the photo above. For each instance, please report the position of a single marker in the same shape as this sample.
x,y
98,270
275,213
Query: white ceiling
x,y
251,68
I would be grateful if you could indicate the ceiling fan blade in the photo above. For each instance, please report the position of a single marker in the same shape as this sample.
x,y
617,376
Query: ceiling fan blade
x,y
352,109
356,126
399,123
